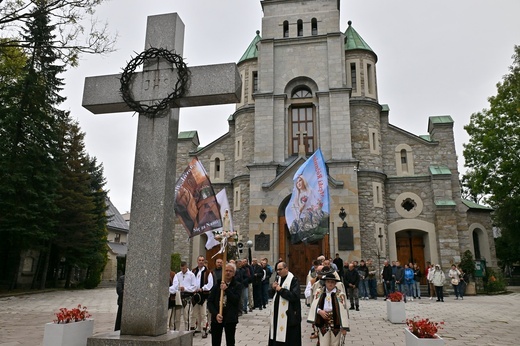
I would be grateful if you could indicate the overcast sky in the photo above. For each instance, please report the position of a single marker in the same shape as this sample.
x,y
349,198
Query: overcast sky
x,y
434,58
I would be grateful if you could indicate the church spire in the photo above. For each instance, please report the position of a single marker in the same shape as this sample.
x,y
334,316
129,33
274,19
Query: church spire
x,y
353,40
251,51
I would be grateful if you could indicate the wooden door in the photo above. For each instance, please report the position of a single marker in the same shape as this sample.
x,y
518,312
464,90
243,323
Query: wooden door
x,y
410,248
299,257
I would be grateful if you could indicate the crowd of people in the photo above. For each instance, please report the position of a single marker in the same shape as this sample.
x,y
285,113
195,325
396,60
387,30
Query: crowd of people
x,y
211,301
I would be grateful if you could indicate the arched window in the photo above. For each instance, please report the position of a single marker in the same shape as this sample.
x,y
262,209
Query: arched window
x,y
404,160
300,27
302,129
314,26
285,29
302,92
217,168
476,245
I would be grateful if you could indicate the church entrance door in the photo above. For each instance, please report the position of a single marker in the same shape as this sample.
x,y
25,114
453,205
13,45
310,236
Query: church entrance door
x,y
410,248
299,257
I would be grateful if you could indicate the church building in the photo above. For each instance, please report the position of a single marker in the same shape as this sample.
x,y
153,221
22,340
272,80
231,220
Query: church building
x,y
306,84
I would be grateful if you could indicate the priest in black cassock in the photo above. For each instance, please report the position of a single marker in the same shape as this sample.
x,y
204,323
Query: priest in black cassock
x,y
286,314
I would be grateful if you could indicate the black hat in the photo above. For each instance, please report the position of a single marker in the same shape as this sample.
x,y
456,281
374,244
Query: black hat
x,y
196,299
326,270
330,276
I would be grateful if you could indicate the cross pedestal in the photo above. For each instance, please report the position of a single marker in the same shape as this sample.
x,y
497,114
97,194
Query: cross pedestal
x,y
145,303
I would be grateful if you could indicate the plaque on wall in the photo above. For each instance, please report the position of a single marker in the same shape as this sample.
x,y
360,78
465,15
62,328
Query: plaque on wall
x,y
262,242
346,238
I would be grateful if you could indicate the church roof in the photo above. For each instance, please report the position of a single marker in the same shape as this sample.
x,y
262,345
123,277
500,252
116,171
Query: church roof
x,y
353,40
441,119
439,170
118,248
473,205
115,220
251,51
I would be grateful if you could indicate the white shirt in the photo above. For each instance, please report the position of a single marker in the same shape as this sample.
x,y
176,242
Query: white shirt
x,y
186,280
327,305
206,287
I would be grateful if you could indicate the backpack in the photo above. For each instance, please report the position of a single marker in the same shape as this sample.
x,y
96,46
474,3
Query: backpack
x,y
268,272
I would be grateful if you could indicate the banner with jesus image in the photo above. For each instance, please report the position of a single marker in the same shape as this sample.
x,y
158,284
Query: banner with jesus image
x,y
307,213
195,201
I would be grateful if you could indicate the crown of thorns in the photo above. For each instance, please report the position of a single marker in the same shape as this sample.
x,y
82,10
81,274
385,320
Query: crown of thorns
x,y
181,86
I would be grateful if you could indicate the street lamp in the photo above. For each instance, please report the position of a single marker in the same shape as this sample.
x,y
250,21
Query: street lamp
x,y
249,245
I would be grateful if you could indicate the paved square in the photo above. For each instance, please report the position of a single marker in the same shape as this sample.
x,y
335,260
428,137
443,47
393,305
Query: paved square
x,y
477,320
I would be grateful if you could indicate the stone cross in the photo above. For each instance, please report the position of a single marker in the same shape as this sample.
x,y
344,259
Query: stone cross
x,y
149,248
301,146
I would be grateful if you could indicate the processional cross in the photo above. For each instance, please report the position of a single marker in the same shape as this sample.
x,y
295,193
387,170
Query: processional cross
x,y
149,247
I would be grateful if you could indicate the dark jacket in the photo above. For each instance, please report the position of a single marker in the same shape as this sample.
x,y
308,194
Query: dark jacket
x,y
363,271
387,273
232,295
417,275
351,277
258,274
120,288
242,276
217,274
399,275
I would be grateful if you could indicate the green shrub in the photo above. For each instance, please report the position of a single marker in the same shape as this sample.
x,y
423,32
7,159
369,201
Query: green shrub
x,y
175,262
494,281
467,264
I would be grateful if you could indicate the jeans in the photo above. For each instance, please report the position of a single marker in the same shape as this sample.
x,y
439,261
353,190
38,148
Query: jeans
x,y
387,285
410,289
372,283
353,295
245,298
400,287
462,288
417,292
438,292
456,290
363,288
265,296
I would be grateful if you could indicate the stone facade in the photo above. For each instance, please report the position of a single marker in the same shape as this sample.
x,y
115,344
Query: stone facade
x,y
396,187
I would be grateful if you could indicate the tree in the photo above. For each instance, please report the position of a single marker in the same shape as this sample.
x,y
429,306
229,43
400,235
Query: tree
x,y
493,158
69,18
51,191
29,172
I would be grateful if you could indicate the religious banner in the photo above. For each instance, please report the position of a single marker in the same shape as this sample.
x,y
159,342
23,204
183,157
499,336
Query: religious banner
x,y
307,213
195,201
227,220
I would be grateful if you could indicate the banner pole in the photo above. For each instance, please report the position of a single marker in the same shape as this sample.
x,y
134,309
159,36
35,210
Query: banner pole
x,y
224,261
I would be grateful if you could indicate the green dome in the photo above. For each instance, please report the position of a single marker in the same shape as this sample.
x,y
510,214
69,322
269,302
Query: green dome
x,y
251,51
354,41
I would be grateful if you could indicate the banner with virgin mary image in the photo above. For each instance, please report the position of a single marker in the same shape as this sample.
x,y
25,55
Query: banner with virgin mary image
x,y
195,201
307,213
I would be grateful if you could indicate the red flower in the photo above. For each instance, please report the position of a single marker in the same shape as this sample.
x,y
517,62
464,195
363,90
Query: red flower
x,y
73,315
395,297
423,328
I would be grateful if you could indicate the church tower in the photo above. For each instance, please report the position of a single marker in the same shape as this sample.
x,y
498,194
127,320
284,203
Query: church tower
x,y
308,85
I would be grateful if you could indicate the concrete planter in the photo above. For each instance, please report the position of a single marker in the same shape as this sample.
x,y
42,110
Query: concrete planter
x,y
412,340
395,312
471,290
68,334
